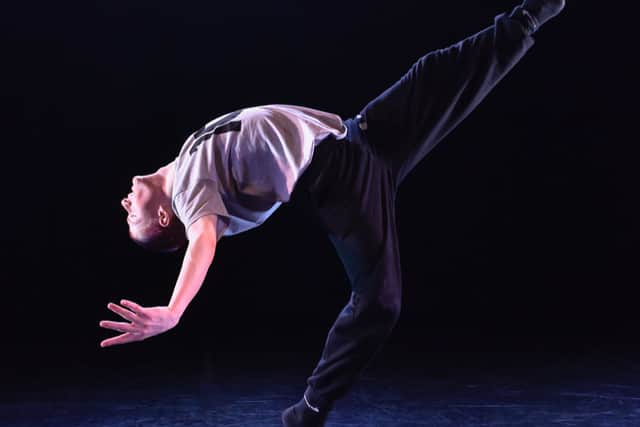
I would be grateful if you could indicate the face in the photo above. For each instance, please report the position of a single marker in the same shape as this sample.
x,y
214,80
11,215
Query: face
x,y
139,202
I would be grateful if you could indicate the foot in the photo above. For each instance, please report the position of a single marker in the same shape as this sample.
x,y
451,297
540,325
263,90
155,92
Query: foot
x,y
542,10
300,415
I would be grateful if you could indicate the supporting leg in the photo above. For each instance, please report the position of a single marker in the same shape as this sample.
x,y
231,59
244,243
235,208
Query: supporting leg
x,y
355,202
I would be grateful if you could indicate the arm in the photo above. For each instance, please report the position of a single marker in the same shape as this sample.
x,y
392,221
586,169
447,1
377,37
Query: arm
x,y
146,322
203,236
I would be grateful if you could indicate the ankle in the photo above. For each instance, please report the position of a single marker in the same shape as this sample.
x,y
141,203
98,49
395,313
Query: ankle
x,y
304,414
533,14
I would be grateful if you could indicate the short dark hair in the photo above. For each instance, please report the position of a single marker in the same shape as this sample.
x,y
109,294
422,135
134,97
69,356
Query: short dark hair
x,y
157,238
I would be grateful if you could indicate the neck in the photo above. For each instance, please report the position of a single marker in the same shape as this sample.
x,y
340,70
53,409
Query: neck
x,y
167,173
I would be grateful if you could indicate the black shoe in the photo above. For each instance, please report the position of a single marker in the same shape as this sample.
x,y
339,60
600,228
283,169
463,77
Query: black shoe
x,y
534,13
300,415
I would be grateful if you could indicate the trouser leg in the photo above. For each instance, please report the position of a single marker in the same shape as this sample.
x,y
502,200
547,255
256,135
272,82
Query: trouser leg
x,y
408,119
359,332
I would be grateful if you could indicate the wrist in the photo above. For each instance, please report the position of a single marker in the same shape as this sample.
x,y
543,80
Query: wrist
x,y
176,313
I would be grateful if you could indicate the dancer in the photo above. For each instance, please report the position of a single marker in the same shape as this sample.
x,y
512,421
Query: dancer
x,y
234,172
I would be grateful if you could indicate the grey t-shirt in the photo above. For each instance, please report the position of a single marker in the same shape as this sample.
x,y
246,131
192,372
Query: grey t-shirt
x,y
244,165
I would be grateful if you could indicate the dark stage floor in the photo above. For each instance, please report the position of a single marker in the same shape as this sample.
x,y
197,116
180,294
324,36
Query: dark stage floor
x,y
460,389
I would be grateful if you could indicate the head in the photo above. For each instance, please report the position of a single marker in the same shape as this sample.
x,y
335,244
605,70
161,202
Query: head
x,y
152,223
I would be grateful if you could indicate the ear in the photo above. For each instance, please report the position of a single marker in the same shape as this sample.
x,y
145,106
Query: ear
x,y
164,218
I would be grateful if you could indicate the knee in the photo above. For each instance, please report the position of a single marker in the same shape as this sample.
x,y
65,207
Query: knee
x,y
392,309
386,308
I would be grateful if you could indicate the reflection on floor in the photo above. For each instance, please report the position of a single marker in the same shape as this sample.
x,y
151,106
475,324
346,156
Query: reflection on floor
x,y
462,390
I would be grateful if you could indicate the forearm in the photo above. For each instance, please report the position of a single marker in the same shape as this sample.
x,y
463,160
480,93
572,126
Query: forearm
x,y
197,259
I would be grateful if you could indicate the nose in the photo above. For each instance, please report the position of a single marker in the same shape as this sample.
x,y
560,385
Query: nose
x,y
125,204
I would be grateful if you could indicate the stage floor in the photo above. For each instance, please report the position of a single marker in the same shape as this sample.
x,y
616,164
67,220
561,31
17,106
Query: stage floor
x,y
451,390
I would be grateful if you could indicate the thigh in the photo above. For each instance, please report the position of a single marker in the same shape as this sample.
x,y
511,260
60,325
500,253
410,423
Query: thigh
x,y
440,89
351,193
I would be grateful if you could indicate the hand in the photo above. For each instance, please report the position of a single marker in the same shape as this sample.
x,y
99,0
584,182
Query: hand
x,y
145,322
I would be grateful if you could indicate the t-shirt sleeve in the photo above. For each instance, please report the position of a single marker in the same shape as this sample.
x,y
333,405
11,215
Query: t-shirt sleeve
x,y
204,198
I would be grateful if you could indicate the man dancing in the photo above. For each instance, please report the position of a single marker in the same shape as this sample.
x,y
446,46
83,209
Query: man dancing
x,y
234,172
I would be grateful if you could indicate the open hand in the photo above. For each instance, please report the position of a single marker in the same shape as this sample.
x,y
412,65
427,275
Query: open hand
x,y
143,322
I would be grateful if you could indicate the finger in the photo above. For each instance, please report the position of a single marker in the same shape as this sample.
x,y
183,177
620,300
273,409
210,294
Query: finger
x,y
122,312
118,326
120,339
137,309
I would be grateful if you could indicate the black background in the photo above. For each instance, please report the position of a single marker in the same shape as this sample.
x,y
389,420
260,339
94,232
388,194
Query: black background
x,y
518,232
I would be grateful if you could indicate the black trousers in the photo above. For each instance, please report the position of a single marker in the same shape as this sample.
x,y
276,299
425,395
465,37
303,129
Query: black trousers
x,y
350,188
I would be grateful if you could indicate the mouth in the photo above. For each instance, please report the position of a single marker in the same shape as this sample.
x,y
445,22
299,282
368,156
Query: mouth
x,y
130,220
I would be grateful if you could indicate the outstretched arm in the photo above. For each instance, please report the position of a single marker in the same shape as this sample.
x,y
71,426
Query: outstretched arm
x,y
203,238
145,322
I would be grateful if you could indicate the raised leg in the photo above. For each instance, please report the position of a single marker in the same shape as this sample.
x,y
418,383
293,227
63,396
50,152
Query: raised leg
x,y
407,120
